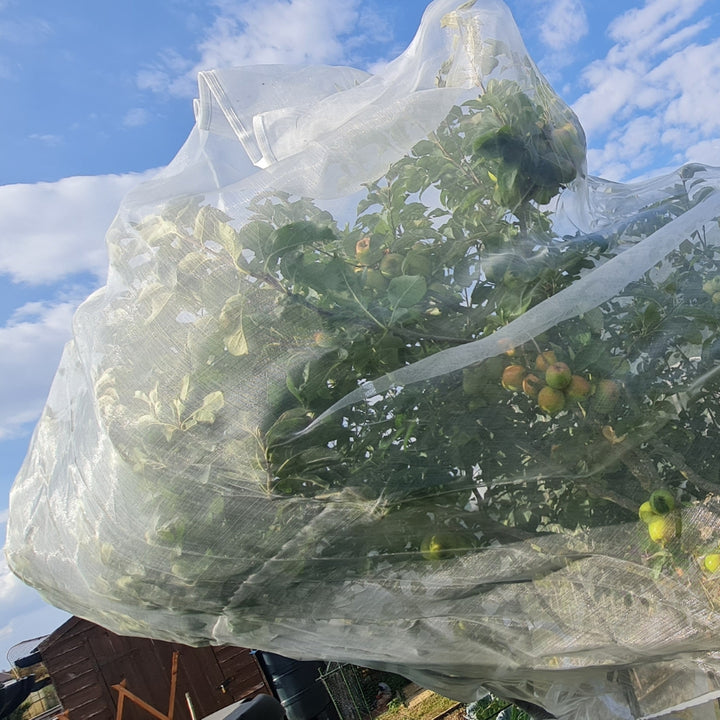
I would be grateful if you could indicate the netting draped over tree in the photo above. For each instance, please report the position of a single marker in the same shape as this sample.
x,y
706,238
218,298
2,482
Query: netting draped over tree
x,y
381,376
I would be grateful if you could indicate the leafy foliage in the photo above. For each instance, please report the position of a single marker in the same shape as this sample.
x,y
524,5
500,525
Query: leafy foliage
x,y
453,243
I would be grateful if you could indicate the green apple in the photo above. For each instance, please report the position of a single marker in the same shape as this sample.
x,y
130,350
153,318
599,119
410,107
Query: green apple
x,y
646,513
551,400
558,376
391,265
663,529
662,501
544,360
512,377
606,395
375,280
444,545
532,385
712,285
417,263
578,388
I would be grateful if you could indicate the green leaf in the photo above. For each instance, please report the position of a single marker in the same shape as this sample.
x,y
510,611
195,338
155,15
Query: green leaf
x,y
256,236
184,388
300,233
212,226
406,290
424,147
236,343
594,319
289,423
159,231
158,296
232,313
192,263
212,403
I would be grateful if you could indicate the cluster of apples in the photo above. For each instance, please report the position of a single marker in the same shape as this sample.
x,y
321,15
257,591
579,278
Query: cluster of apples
x,y
712,287
664,525
657,513
552,384
378,265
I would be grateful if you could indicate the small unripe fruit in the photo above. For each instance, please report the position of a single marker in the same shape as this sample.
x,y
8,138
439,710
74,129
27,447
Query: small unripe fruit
x,y
569,149
391,265
578,389
551,400
512,377
444,545
323,339
662,529
558,376
362,245
662,502
646,513
544,360
712,562
532,385
416,263
606,396
712,285
375,280
362,251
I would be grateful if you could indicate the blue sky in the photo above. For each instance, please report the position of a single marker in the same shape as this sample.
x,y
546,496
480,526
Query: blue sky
x,y
98,95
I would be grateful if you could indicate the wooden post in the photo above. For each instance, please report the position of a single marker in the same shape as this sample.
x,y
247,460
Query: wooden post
x,y
121,699
173,685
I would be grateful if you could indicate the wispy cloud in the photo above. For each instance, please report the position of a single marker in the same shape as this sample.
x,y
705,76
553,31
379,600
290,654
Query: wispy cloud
x,y
170,73
25,30
564,24
653,94
299,31
36,333
49,231
273,32
49,139
136,117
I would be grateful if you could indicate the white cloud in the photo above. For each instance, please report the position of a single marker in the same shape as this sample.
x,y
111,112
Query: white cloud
x,y
10,587
49,139
171,73
682,37
612,90
136,117
653,92
643,28
705,151
36,333
692,78
564,24
24,31
306,32
52,230
299,31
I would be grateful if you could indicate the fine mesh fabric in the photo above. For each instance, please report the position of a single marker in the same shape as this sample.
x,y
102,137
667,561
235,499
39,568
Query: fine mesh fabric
x,y
381,375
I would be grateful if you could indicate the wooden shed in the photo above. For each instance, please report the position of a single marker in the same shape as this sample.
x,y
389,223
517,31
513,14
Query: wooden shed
x,y
85,660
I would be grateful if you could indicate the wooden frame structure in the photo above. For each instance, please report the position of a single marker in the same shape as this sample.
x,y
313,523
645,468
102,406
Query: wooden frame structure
x,y
123,693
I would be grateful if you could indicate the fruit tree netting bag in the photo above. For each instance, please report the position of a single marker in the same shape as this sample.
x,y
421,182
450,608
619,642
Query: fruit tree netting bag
x,y
380,375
